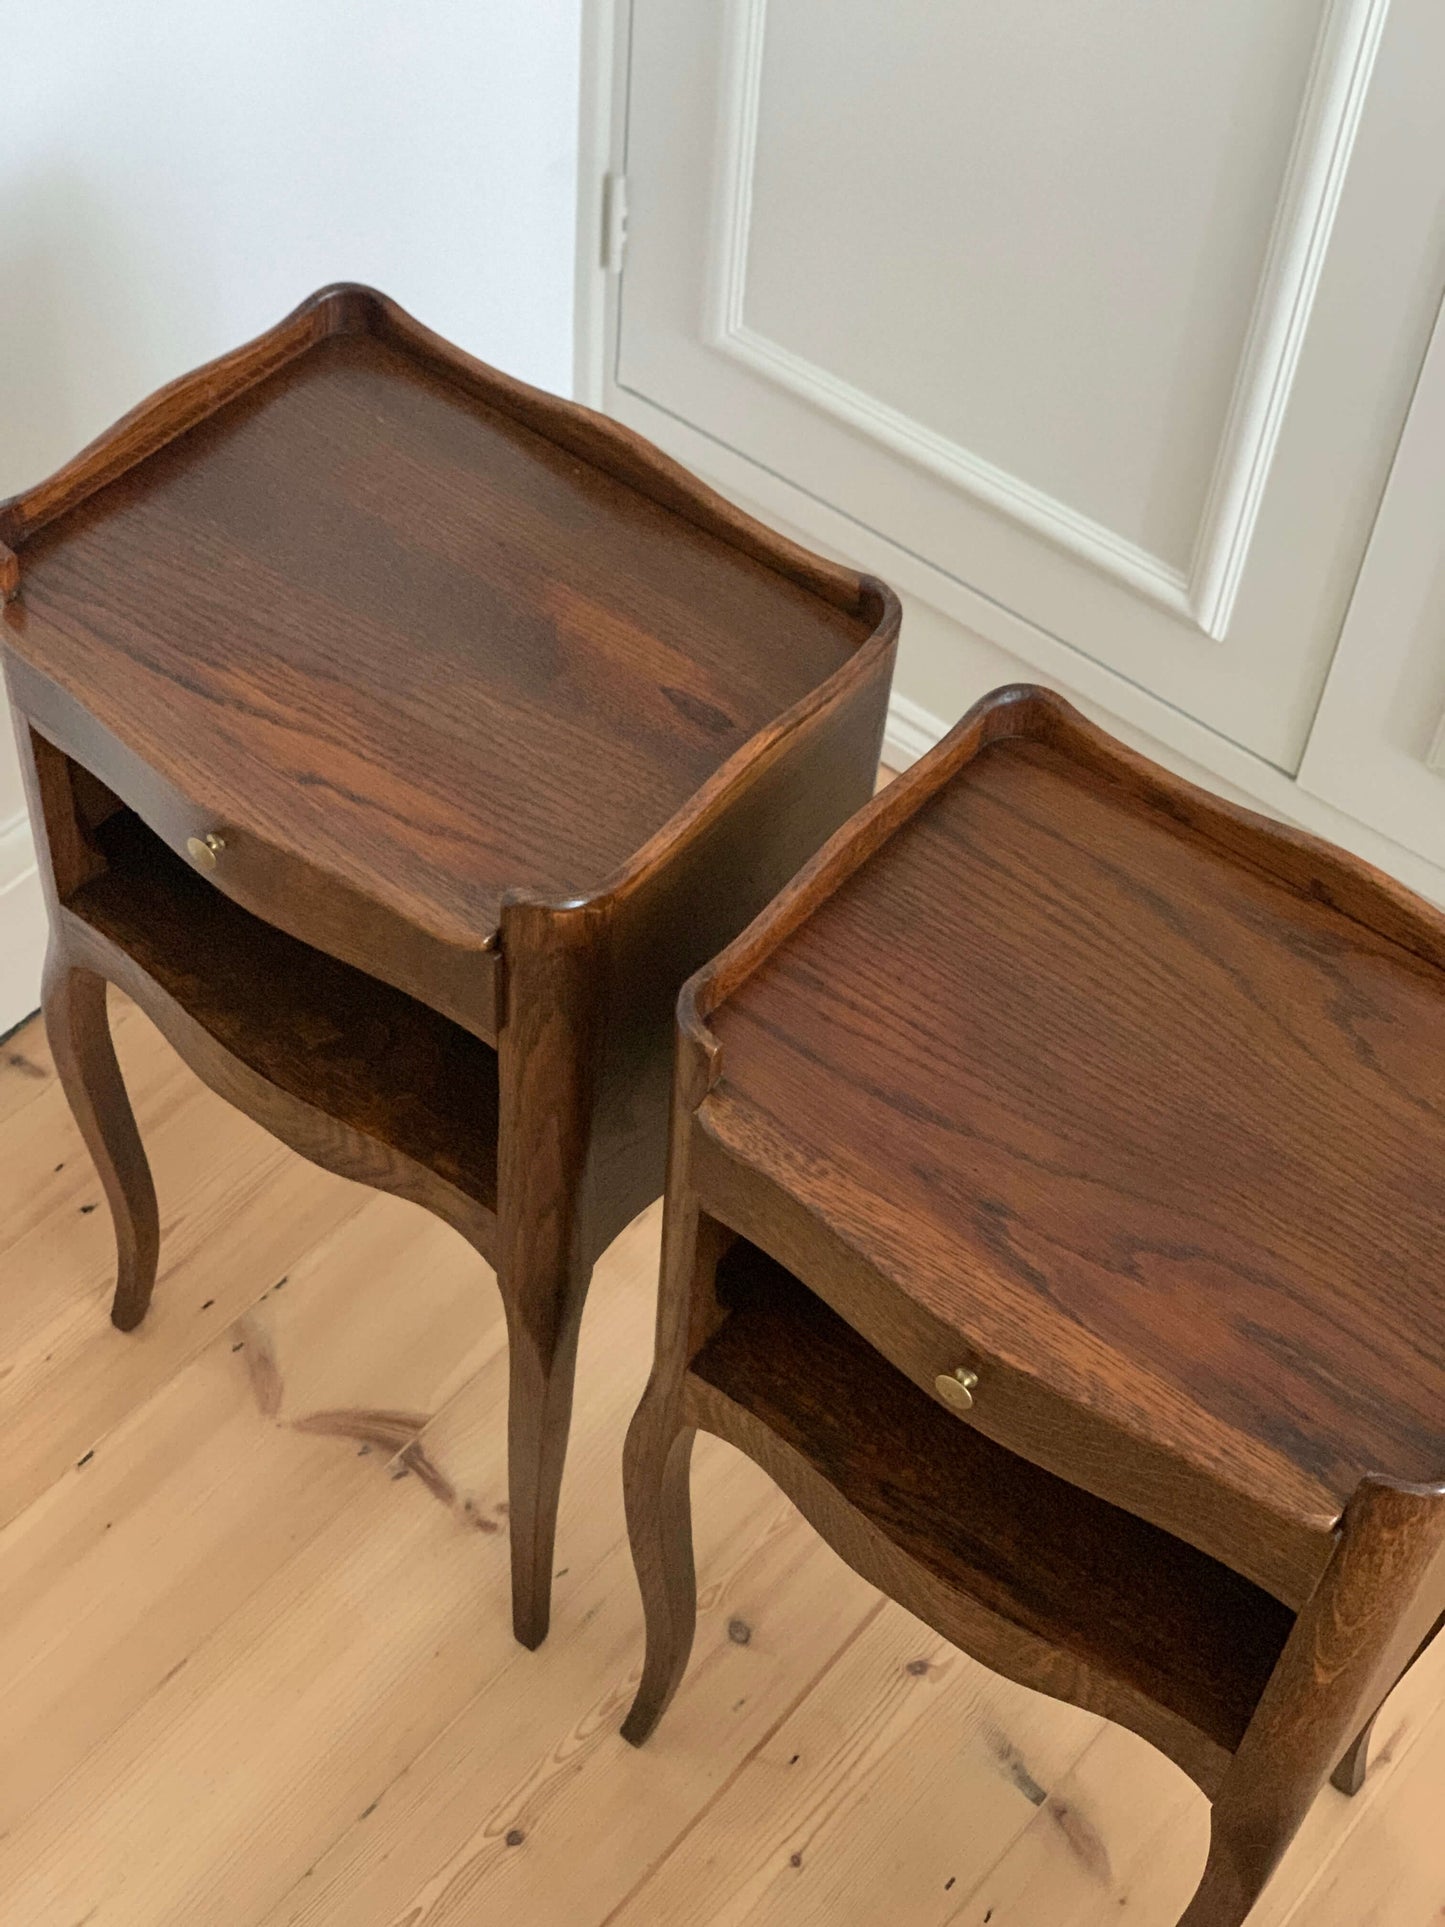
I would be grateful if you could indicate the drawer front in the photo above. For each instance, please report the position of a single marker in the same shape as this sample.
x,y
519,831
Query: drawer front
x,y
1007,1405
308,904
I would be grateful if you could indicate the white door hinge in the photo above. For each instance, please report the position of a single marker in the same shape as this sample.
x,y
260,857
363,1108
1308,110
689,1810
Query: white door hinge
x,y
614,221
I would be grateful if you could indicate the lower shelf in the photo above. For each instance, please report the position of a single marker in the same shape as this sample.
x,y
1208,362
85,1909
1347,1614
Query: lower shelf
x,y
1121,1598
376,1061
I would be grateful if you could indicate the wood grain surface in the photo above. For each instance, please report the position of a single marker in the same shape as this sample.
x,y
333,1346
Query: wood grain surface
x,y
1116,1603
1108,1116
368,1058
483,723
383,626
256,1677
1150,1132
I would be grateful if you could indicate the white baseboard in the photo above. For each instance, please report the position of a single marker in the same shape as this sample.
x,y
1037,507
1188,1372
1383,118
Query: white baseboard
x,y
911,732
22,925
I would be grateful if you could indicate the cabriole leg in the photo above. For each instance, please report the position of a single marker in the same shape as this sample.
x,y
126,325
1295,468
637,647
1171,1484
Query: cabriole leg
x,y
78,1027
656,1468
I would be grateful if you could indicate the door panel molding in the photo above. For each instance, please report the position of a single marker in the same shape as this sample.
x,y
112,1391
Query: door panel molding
x,y
1378,745
1340,71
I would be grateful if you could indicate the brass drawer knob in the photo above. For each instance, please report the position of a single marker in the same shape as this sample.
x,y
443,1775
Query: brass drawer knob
x,y
203,850
955,1388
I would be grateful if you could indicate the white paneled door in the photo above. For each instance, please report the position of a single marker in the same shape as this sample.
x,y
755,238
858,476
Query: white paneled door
x,y
1110,312
1377,749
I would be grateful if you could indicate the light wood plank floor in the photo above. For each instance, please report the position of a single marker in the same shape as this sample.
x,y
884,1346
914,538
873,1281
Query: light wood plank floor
x,y
254,1644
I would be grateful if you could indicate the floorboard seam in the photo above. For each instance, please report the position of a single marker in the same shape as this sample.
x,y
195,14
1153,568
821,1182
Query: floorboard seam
x,y
763,1739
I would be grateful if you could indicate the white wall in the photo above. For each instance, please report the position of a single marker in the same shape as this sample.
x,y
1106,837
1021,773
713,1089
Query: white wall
x,y
174,176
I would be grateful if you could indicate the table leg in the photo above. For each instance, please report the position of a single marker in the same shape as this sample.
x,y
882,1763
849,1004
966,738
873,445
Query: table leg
x,y
79,1031
1349,1775
1235,1875
655,1473
542,1368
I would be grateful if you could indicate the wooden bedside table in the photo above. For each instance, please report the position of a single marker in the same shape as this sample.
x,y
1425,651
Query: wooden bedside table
x,y
1055,1210
400,737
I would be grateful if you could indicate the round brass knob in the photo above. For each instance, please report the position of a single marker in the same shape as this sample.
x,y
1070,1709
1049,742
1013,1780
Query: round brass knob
x,y
955,1388
203,850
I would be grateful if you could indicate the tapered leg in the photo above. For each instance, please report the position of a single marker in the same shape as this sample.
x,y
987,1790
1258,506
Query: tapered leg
x,y
1349,1775
79,1032
655,1471
539,1417
546,1056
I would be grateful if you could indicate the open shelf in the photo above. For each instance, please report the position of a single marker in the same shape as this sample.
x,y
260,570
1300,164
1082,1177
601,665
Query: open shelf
x,y
365,1054
1120,1595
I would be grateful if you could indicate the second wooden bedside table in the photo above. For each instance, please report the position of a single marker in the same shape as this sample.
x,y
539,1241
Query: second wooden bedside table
x,y
1055,1210
400,737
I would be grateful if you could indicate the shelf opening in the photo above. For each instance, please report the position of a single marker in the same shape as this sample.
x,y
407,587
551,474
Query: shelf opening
x,y
1123,1596
318,1029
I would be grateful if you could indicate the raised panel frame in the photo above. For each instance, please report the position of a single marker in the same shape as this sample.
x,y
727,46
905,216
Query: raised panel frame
x,y
1340,72
959,640
1378,745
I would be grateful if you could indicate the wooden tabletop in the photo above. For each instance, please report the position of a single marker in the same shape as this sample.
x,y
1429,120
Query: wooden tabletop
x,y
374,615
1080,1067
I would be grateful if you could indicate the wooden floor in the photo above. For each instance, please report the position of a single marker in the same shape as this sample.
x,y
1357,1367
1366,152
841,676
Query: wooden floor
x,y
254,1643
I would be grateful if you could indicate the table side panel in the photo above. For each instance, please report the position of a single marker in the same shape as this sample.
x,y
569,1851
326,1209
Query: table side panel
x,y
706,889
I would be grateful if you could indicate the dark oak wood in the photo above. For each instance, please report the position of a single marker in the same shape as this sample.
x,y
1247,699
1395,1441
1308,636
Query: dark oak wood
x,y
1053,1069
85,1062
372,1066
73,996
1351,1771
1013,1555
1352,1642
1349,1775
1144,1132
410,634
500,723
